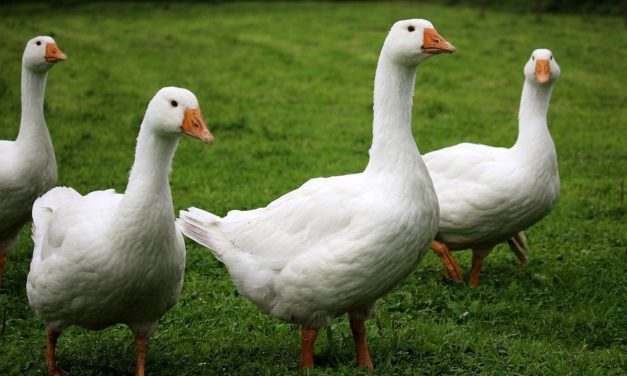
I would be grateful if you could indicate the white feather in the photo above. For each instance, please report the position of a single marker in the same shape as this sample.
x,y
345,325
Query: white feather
x,y
489,194
107,258
27,165
337,244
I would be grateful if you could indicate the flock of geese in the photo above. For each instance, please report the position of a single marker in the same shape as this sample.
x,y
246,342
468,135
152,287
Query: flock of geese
x,y
333,246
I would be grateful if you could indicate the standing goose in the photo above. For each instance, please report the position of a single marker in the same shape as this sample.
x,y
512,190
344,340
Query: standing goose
x,y
489,195
336,245
108,258
28,167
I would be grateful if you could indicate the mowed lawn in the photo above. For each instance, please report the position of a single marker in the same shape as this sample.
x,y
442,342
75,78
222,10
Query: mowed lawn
x,y
287,91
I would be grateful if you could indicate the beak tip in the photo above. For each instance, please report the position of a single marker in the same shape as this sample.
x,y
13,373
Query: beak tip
x,y
208,138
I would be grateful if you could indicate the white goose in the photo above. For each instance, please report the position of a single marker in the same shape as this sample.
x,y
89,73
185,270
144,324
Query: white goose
x,y
108,258
336,245
490,194
27,165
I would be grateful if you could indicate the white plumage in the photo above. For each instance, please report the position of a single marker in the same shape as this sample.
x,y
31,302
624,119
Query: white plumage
x,y
489,194
320,251
27,165
335,245
107,258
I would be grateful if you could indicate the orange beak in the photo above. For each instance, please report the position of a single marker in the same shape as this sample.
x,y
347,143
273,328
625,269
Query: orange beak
x,y
54,53
433,43
194,125
543,71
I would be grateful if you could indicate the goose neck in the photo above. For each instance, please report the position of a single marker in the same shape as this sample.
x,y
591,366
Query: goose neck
x,y
533,130
33,124
393,144
148,187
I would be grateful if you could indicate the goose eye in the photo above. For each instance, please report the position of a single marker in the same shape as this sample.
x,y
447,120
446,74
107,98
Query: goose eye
x,y
551,57
533,58
174,103
411,28
38,43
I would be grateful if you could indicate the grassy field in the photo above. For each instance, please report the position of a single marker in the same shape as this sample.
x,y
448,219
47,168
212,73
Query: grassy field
x,y
287,91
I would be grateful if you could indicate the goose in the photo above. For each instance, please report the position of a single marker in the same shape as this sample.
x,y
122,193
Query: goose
x,y
489,195
27,165
335,245
107,258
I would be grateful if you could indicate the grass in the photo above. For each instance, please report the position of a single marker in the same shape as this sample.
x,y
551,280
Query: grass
x,y
287,90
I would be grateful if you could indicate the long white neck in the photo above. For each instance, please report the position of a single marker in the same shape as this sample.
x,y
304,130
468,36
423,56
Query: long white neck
x,y
148,193
533,131
393,145
33,132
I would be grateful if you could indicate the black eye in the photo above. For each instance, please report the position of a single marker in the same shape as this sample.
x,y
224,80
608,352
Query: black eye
x,y
551,57
38,43
533,58
411,28
174,103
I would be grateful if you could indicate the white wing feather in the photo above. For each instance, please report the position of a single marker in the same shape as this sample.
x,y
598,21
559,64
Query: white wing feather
x,y
486,194
63,212
295,222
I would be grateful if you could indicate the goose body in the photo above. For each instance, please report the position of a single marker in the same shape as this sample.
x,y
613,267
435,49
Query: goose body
x,y
96,264
516,191
487,194
27,165
320,251
335,245
107,258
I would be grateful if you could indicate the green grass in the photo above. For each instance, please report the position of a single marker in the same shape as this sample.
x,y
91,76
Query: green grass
x,y
287,91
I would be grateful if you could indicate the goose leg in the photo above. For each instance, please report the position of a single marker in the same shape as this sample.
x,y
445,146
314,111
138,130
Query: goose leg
x,y
518,244
450,264
477,263
3,261
307,345
51,360
361,344
141,349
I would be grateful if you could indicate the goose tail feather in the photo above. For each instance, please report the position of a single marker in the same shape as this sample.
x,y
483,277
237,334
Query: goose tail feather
x,y
201,226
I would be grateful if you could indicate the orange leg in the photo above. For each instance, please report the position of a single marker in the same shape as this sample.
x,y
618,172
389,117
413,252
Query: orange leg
x,y
141,349
307,345
359,335
51,360
3,260
450,264
477,262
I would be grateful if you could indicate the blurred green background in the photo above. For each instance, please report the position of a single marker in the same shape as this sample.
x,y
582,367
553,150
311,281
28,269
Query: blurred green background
x,y
286,88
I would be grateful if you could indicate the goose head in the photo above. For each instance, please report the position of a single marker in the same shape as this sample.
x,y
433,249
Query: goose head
x,y
410,42
542,69
41,54
174,111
